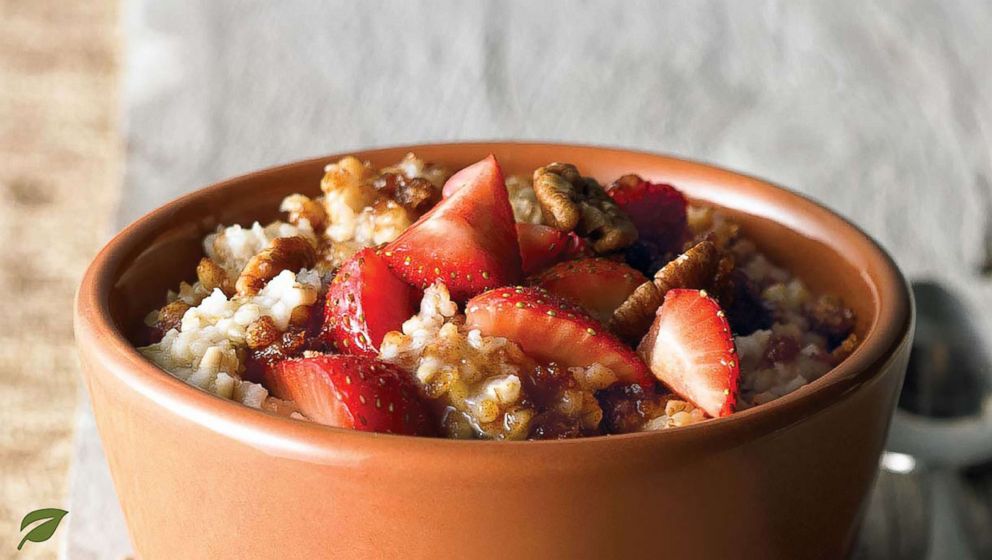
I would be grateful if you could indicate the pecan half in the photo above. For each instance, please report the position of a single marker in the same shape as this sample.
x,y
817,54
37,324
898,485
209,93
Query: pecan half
x,y
694,269
211,275
285,253
571,202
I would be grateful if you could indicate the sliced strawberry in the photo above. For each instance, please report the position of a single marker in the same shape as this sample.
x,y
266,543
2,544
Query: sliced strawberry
x,y
542,246
657,210
690,349
354,392
364,302
597,285
551,329
468,241
465,176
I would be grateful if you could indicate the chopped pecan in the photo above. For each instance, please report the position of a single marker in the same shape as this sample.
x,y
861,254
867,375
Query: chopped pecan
x,y
261,333
725,280
694,269
627,407
211,275
411,166
415,194
829,317
290,344
171,315
344,177
571,202
285,253
300,207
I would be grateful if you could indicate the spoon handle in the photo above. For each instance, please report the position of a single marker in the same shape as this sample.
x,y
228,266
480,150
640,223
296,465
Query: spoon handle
x,y
947,535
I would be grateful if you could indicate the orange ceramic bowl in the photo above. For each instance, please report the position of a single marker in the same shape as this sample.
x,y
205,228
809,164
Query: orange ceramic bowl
x,y
201,477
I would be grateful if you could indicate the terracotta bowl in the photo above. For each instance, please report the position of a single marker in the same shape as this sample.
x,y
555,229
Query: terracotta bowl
x,y
202,477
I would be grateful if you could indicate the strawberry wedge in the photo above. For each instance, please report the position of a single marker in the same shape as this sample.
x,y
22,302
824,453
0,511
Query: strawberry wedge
x,y
551,329
690,349
542,246
468,241
597,285
354,392
364,302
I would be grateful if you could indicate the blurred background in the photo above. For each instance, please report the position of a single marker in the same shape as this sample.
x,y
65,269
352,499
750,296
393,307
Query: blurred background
x,y
882,110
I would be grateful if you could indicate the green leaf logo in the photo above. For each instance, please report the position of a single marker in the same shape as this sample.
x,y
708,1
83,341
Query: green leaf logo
x,y
50,519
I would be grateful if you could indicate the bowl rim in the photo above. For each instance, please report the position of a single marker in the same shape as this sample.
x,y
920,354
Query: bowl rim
x,y
99,341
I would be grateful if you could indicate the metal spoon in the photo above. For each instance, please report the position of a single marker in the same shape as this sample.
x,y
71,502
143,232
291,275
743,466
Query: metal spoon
x,y
943,425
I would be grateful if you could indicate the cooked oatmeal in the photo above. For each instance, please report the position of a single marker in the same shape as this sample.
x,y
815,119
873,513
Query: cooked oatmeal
x,y
254,319
207,349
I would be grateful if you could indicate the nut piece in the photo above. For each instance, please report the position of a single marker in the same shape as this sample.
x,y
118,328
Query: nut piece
x,y
829,317
345,177
416,194
633,318
171,315
285,253
268,346
413,167
300,207
557,187
572,202
726,280
694,269
261,333
211,276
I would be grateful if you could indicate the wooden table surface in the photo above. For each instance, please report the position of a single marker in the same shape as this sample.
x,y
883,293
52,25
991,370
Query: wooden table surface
x,y
60,167
883,111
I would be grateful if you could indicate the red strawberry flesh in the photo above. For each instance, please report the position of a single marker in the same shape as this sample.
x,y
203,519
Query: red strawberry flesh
x,y
542,246
364,302
468,241
597,285
691,350
551,329
658,210
354,392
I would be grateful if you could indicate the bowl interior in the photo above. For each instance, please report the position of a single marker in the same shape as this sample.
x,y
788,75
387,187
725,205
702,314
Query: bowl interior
x,y
158,251
169,254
